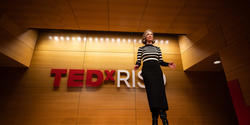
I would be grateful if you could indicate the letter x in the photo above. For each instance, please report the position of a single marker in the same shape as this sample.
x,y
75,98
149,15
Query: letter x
x,y
109,75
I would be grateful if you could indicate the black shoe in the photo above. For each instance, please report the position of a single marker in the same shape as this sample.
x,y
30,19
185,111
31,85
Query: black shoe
x,y
163,117
155,116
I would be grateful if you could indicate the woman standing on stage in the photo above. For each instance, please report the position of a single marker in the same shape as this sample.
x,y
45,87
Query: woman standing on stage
x,y
153,77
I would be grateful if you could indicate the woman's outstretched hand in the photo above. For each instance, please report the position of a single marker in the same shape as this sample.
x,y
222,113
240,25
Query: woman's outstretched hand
x,y
136,67
172,65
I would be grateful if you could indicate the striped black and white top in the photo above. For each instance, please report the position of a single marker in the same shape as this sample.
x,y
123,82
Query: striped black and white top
x,y
150,52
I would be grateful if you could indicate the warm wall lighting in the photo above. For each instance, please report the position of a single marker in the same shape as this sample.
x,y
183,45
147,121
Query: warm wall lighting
x,y
134,40
118,40
139,41
79,38
161,41
56,38
166,41
90,38
156,41
217,62
101,39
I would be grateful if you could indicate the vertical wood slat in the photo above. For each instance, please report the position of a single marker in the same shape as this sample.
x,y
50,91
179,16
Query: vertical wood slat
x,y
187,95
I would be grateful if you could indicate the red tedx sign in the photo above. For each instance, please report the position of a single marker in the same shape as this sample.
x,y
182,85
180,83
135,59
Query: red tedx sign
x,y
75,77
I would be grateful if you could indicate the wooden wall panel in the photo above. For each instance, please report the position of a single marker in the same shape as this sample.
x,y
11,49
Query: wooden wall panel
x,y
106,60
208,64
235,59
16,49
169,45
175,58
40,78
122,10
191,97
106,117
144,117
65,42
15,42
10,26
242,74
29,38
187,41
184,43
176,79
159,15
164,16
107,99
91,14
141,102
57,59
235,55
8,62
198,34
208,45
28,106
225,33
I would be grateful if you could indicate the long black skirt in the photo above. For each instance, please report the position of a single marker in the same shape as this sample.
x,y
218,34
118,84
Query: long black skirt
x,y
155,89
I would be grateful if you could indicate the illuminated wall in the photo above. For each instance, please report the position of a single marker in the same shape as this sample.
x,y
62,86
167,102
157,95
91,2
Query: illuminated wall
x,y
194,97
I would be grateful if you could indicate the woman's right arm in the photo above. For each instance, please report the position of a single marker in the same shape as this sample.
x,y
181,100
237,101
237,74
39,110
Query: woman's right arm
x,y
139,56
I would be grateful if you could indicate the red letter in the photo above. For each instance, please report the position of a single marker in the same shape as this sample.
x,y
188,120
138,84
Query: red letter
x,y
109,75
58,73
99,80
242,110
75,78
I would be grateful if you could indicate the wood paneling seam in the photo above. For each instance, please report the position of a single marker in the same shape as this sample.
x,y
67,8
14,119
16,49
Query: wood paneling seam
x,y
73,12
143,12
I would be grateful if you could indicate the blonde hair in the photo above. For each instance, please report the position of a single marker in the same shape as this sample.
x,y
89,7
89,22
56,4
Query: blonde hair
x,y
144,39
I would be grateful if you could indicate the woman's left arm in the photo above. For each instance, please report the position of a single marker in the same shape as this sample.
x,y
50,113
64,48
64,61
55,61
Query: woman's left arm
x,y
161,61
